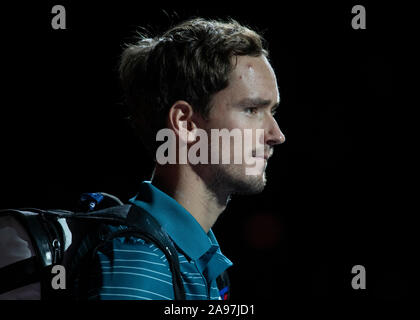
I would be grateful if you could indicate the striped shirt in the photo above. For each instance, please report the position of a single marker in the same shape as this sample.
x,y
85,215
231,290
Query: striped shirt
x,y
134,269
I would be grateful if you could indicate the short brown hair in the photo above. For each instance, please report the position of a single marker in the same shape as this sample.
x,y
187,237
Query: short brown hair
x,y
191,62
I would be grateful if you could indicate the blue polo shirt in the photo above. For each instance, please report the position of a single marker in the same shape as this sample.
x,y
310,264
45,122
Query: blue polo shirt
x,y
134,269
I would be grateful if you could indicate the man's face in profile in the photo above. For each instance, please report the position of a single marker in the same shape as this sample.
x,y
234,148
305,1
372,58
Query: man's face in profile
x,y
248,102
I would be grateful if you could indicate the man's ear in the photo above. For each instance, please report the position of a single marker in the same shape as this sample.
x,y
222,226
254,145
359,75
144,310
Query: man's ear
x,y
181,121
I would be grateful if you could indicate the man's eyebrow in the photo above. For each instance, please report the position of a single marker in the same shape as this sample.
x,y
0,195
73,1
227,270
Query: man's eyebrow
x,y
257,102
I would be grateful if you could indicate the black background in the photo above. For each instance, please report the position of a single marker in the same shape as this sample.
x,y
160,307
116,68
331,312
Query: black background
x,y
334,197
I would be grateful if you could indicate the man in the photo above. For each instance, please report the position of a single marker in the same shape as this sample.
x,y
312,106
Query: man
x,y
203,75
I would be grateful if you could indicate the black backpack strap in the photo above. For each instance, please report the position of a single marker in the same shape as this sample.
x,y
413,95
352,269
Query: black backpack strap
x,y
152,231
19,274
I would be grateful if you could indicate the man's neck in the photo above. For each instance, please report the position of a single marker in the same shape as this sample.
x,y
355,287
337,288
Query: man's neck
x,y
189,190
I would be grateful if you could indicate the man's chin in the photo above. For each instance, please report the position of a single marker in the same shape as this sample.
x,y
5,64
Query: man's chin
x,y
233,180
247,184
251,185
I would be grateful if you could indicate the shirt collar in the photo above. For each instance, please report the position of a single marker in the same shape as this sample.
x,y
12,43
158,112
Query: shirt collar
x,y
180,225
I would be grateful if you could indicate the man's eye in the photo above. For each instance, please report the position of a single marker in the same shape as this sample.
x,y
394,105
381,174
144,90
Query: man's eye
x,y
251,110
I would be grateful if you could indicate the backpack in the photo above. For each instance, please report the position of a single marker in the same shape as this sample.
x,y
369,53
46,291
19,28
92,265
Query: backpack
x,y
37,244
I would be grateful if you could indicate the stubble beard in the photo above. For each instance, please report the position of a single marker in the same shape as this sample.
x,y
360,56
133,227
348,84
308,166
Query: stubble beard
x,y
231,178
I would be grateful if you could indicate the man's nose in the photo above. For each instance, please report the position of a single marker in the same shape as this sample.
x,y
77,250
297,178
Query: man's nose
x,y
273,134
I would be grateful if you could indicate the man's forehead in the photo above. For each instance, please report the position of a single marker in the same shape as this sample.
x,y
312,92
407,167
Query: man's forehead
x,y
254,78
252,69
